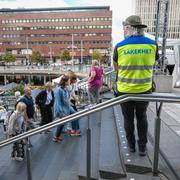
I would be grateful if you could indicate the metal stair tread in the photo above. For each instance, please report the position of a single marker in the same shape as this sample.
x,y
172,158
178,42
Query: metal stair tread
x,y
110,164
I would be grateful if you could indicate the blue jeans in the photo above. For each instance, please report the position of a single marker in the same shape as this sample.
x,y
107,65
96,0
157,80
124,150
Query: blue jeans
x,y
59,130
75,123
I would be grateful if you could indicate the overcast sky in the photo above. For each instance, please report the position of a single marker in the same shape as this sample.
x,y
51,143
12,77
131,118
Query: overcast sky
x,y
120,8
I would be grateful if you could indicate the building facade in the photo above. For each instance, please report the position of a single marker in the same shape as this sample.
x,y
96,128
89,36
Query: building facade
x,y
49,31
147,9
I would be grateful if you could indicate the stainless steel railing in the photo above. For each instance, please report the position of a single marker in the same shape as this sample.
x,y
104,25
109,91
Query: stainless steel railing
x,y
83,86
155,97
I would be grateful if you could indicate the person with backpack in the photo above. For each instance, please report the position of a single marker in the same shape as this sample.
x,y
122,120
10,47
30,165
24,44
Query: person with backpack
x,y
15,126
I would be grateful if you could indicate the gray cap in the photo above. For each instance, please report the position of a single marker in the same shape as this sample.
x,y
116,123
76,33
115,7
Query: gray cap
x,y
134,21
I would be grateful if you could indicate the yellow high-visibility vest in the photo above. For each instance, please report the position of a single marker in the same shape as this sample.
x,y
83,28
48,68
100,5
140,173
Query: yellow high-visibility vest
x,y
136,58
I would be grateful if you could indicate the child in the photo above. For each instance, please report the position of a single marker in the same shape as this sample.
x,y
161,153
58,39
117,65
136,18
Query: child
x,y
15,126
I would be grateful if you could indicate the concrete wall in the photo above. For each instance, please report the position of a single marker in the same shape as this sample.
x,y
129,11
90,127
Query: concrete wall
x,y
164,83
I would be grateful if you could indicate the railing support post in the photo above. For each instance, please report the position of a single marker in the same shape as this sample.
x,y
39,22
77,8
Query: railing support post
x,y
156,140
28,155
88,152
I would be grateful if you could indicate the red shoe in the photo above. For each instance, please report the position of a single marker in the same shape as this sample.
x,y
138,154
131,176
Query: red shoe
x,y
78,133
57,139
72,133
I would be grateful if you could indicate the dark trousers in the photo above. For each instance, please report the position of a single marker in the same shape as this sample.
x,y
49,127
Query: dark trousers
x,y
170,68
59,130
129,110
94,95
74,124
46,114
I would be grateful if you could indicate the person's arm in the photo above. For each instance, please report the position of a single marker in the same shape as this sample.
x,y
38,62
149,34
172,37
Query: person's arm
x,y
52,101
74,97
11,124
61,102
92,75
115,59
157,53
39,98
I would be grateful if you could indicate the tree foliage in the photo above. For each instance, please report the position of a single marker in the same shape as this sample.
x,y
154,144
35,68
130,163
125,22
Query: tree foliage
x,y
97,55
105,59
36,57
65,55
20,88
9,57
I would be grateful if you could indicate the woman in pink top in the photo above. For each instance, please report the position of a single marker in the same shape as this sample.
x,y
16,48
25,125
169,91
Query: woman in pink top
x,y
95,81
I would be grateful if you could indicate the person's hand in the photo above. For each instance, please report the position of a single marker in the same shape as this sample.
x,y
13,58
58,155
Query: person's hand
x,y
62,115
78,102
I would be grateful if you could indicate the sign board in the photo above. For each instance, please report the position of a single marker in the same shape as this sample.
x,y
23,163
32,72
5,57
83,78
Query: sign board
x,y
72,53
26,51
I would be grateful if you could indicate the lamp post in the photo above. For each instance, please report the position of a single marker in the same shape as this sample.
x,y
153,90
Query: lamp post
x,y
72,50
27,49
50,51
81,51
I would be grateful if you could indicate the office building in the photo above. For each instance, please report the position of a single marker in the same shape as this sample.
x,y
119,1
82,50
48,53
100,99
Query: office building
x,y
147,9
51,30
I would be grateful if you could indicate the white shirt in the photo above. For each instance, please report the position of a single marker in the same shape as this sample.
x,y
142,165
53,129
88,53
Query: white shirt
x,y
49,97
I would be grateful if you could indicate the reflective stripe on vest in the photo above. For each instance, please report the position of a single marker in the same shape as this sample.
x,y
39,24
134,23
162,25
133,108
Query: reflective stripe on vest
x,y
135,81
135,67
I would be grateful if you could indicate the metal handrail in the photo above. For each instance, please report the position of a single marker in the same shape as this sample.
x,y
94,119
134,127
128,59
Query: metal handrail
x,y
154,97
85,79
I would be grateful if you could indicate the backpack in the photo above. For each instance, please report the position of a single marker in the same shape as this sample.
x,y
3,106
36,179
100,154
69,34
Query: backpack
x,y
6,122
13,127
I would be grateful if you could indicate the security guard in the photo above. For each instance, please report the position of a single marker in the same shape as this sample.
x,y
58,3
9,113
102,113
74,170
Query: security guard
x,y
134,58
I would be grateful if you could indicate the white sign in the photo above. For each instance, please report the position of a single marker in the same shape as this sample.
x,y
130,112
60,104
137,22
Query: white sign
x,y
26,51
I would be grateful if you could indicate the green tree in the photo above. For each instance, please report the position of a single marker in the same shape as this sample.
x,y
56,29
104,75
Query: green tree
x,y
65,55
105,59
20,88
97,55
9,57
36,57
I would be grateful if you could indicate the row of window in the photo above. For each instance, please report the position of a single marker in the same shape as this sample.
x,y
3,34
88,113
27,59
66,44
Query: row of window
x,y
54,27
54,42
51,35
56,20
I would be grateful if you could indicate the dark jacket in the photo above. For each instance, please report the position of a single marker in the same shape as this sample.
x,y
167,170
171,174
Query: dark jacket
x,y
30,105
41,98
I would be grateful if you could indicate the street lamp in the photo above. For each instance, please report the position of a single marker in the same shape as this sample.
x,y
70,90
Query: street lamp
x,y
81,51
27,49
72,50
50,51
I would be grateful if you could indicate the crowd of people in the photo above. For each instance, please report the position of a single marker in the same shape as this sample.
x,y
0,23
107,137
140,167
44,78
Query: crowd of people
x,y
133,58
54,102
